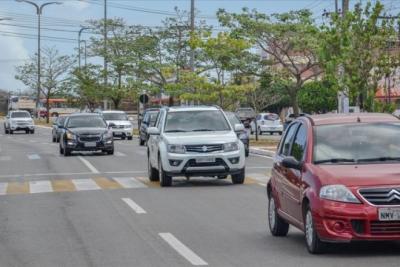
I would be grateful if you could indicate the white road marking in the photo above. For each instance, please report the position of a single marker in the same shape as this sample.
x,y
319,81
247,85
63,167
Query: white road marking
x,y
259,168
262,184
40,187
5,158
134,206
63,174
3,188
261,156
122,172
183,250
89,165
32,141
85,184
119,154
33,157
128,182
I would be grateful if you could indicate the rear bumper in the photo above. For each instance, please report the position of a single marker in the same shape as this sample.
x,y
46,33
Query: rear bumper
x,y
267,128
122,132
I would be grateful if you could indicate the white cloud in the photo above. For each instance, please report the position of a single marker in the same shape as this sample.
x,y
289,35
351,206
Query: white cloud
x,y
12,50
79,5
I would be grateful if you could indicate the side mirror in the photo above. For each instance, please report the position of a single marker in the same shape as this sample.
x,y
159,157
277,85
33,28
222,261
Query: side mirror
x,y
239,127
153,131
292,163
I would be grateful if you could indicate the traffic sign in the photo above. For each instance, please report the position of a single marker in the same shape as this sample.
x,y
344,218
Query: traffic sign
x,y
144,99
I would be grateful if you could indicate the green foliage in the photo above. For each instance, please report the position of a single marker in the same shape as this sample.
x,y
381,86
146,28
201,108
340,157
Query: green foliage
x,y
383,107
318,97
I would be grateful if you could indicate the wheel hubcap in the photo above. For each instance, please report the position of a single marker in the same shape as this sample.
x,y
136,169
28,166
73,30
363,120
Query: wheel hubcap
x,y
272,213
309,229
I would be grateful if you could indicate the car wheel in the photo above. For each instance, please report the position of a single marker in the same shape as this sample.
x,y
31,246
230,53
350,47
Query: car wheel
x,y
33,131
67,152
141,142
54,139
61,150
110,152
280,133
129,138
123,137
314,244
153,173
277,226
27,131
10,131
238,178
165,180
259,131
5,130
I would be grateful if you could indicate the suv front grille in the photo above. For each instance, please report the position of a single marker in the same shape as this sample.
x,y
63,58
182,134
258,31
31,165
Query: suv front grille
x,y
204,148
381,196
218,162
385,228
90,138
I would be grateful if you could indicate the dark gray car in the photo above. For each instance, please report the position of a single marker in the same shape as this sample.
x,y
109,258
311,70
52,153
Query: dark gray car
x,y
244,136
149,119
57,130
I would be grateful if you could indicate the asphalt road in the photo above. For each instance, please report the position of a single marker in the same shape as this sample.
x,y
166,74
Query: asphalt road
x,y
98,210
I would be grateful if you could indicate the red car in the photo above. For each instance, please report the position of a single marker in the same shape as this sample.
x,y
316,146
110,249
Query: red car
x,y
337,178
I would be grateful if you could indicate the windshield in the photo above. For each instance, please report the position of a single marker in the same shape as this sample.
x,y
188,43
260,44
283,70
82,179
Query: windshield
x,y
233,119
193,121
357,143
115,116
20,115
86,122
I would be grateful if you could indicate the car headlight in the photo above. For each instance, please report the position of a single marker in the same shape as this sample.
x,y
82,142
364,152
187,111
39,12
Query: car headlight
x,y
231,147
71,136
108,135
338,193
178,149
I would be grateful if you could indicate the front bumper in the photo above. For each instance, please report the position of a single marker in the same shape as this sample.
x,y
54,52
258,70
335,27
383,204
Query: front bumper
x,y
345,222
17,127
189,165
82,146
126,132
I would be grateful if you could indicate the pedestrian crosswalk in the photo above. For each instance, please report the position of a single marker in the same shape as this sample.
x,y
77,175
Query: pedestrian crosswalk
x,y
38,156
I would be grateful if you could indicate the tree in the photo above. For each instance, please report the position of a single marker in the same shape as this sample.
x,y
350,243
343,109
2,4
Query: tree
x,y
290,41
318,97
54,69
354,52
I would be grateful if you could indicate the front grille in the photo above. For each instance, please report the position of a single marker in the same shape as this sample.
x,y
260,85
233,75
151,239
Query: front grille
x,y
204,148
381,196
118,127
218,162
385,228
90,138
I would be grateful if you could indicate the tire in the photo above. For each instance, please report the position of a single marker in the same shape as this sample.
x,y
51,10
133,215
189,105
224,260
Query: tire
x,y
61,150
67,152
27,131
247,153
5,130
10,131
271,133
141,142
165,180
277,226
153,173
238,178
280,133
130,138
110,152
54,139
313,243
33,131
123,137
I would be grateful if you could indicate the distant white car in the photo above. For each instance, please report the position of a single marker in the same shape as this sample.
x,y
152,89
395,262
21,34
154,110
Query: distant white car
x,y
119,122
267,123
19,120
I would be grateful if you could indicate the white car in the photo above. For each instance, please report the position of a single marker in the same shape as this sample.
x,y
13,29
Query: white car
x,y
119,122
267,123
194,141
19,120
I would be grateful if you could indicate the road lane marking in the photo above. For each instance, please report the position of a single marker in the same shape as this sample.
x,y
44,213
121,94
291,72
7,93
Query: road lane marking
x,y
63,186
65,174
119,154
89,165
122,172
33,157
261,156
183,250
85,184
5,158
3,188
129,182
263,185
106,183
40,187
136,208
18,188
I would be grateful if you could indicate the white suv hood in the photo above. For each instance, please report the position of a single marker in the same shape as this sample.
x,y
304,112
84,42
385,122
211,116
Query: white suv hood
x,y
200,138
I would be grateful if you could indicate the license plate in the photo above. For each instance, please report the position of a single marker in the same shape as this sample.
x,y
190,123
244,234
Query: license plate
x,y
205,160
90,144
389,214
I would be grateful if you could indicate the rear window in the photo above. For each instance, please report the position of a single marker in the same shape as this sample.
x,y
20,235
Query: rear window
x,y
20,115
271,117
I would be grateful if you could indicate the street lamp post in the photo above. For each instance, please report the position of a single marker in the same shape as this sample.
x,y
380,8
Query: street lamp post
x,y
39,10
79,46
84,53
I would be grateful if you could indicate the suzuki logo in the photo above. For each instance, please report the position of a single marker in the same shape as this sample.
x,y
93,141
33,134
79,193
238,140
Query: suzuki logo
x,y
204,148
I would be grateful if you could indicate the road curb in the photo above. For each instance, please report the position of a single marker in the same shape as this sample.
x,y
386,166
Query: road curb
x,y
262,152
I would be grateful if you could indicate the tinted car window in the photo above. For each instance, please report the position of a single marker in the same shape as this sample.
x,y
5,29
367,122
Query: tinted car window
x,y
86,122
152,118
271,117
233,119
299,144
193,121
115,116
20,115
285,150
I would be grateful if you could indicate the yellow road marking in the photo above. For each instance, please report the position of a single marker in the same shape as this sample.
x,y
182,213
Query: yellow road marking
x,y
149,183
250,180
106,183
63,186
18,188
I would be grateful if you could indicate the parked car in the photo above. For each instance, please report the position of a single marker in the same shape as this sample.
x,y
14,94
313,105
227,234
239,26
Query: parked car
x,y
267,123
58,127
243,135
86,132
19,120
335,177
246,116
121,125
149,120
194,141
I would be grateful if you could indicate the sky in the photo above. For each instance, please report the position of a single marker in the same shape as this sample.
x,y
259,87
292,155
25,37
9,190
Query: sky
x,y
61,23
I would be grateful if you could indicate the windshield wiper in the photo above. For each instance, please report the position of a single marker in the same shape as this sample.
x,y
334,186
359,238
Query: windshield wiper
x,y
334,160
176,131
379,159
202,130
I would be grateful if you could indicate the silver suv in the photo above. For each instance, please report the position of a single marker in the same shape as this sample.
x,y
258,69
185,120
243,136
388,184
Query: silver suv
x,y
19,120
194,141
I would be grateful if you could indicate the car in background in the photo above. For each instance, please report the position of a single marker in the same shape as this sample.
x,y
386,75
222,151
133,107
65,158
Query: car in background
x,y
86,132
119,122
336,178
58,128
19,120
243,135
267,123
149,120
194,141
246,116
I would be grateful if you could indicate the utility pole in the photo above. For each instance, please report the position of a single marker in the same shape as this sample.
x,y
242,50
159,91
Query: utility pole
x,y
336,6
79,45
192,31
105,50
345,7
